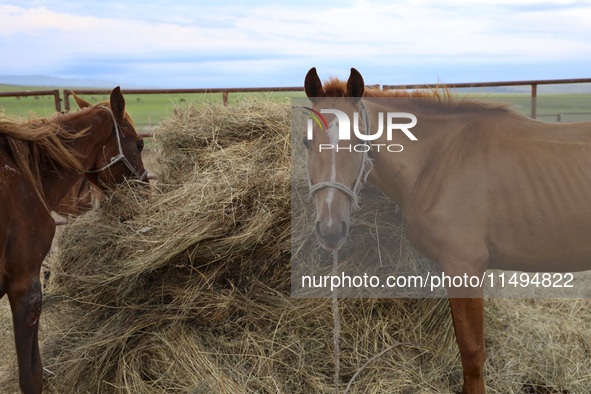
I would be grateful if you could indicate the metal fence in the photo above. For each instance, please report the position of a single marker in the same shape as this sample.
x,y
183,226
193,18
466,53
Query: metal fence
x,y
226,91
55,93
534,87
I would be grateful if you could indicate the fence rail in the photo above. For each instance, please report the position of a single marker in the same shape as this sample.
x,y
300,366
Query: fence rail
x,y
534,86
55,93
226,91
559,115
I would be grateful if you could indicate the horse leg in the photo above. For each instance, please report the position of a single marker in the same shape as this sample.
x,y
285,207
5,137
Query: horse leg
x,y
25,301
467,309
468,318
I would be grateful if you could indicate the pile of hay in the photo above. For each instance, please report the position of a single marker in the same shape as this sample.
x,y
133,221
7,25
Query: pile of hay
x,y
189,291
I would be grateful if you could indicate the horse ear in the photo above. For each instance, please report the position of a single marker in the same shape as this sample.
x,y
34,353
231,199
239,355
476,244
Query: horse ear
x,y
355,84
81,103
117,103
313,85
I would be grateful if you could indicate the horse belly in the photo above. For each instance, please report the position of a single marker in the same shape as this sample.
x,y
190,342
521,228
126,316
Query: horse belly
x,y
539,210
543,247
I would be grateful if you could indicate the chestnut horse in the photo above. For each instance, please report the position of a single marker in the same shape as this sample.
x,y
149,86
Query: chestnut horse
x,y
39,163
481,187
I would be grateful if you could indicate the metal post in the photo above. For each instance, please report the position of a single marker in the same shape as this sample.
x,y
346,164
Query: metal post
x,y
58,104
67,100
534,98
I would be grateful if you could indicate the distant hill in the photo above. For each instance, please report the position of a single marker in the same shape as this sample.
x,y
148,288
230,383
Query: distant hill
x,y
45,80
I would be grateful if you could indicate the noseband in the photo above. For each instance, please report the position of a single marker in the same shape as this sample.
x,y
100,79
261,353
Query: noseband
x,y
363,171
120,157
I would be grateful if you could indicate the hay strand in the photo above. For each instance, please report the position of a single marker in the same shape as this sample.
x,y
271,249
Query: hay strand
x,y
189,291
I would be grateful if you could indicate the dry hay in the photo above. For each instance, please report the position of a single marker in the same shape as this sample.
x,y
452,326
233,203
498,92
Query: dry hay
x,y
189,292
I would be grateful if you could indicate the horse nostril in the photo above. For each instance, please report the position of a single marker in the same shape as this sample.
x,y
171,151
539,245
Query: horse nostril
x,y
334,232
344,229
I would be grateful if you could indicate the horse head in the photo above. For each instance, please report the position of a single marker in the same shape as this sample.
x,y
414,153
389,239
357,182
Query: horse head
x,y
118,146
336,159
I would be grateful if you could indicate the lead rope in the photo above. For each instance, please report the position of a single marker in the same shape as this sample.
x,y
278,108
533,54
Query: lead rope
x,y
366,167
336,335
364,170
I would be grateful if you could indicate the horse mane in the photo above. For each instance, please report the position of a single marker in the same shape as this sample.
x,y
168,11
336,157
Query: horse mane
x,y
40,141
441,97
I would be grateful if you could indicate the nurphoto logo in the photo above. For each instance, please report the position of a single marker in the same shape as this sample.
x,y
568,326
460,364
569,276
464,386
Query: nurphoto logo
x,y
341,129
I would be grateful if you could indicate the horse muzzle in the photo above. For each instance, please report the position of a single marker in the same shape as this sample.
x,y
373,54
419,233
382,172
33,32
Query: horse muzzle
x,y
332,236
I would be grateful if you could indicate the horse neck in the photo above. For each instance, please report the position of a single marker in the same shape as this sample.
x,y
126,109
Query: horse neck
x,y
395,173
57,183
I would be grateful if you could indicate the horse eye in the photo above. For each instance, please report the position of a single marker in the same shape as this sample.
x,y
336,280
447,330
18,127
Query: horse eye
x,y
140,145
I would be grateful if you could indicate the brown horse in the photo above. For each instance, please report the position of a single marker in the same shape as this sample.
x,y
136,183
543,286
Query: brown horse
x,y
39,162
481,187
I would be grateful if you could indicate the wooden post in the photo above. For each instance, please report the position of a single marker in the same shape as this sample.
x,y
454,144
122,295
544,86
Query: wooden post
x,y
225,96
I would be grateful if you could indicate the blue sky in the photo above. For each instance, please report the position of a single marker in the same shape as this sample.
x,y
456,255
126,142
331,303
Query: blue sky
x,y
225,43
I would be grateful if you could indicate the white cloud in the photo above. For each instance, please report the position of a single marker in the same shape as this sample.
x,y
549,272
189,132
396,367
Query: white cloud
x,y
37,39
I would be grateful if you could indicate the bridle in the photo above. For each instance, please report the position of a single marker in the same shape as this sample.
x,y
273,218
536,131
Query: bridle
x,y
120,157
364,169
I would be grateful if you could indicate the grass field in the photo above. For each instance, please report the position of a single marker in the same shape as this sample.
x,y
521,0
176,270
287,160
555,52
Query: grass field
x,y
145,109
150,109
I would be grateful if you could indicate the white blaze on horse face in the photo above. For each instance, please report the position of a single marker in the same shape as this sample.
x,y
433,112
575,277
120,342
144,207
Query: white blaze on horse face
x,y
341,118
333,135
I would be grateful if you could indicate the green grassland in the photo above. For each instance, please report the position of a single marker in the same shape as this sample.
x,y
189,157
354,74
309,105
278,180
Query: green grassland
x,y
573,107
145,109
150,109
